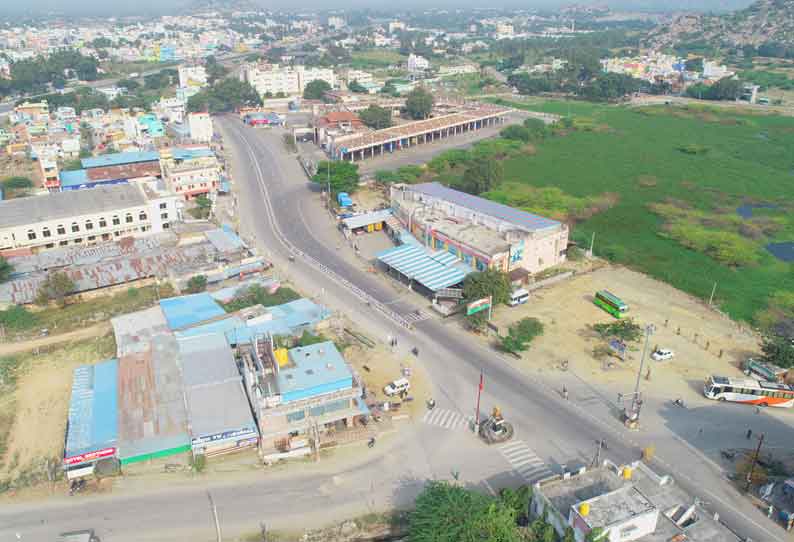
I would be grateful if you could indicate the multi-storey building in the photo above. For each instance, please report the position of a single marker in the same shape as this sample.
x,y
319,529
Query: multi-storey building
x,y
191,172
272,79
417,63
84,216
200,127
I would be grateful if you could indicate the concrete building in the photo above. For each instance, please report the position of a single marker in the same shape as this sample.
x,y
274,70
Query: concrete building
x,y
503,31
481,233
360,76
200,127
299,394
624,503
289,80
417,63
190,172
84,216
461,69
337,23
395,26
192,76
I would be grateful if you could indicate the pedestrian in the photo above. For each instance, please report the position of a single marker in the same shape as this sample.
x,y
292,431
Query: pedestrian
x,y
565,393
749,433
700,431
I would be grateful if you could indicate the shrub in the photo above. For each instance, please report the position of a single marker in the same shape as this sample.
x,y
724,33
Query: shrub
x,y
196,284
521,334
17,318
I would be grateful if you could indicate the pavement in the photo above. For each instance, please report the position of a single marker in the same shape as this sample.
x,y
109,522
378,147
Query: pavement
x,y
280,211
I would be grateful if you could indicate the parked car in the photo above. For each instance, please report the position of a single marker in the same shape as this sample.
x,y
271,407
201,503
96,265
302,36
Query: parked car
x,y
396,387
662,354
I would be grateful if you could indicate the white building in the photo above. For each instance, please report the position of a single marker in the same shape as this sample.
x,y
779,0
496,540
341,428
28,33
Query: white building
x,y
503,31
200,127
394,26
712,70
111,93
192,76
274,79
363,78
446,71
84,216
417,63
337,23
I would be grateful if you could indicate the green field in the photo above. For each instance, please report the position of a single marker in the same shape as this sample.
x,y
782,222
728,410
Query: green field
x,y
375,58
673,178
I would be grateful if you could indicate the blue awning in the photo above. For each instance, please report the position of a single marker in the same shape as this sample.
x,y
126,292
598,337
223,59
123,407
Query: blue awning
x,y
432,270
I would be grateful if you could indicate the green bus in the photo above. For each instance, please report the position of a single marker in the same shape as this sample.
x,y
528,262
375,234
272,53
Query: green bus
x,y
610,303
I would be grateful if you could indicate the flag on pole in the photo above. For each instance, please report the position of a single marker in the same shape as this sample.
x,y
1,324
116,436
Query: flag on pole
x,y
481,380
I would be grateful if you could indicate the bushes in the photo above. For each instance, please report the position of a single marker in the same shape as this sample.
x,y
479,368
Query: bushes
x,y
257,295
521,334
17,318
196,284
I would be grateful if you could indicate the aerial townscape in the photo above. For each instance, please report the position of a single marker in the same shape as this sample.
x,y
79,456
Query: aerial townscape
x,y
426,272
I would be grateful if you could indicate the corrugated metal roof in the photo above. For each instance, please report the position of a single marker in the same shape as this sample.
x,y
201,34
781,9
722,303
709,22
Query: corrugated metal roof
x,y
522,219
119,158
182,153
318,369
93,424
186,310
218,409
73,178
359,221
432,270
206,359
224,240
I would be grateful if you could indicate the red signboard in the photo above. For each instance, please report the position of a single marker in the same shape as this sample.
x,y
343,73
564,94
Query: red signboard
x,y
89,456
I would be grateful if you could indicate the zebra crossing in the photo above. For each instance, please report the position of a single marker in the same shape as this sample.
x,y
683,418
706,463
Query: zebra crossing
x,y
446,419
415,316
525,462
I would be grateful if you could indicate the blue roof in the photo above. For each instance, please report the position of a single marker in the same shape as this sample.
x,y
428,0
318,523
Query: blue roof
x,y
317,370
180,153
93,408
74,178
188,310
432,270
522,219
120,158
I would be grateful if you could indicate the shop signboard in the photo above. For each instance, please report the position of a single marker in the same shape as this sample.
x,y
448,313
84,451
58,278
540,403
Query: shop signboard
x,y
89,456
480,305
237,433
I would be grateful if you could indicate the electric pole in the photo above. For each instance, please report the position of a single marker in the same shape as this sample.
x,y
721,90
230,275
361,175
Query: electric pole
x,y
755,460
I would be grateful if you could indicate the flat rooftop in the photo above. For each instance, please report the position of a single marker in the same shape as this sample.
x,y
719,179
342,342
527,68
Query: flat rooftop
x,y
219,408
92,424
617,506
206,359
188,310
55,205
119,158
313,370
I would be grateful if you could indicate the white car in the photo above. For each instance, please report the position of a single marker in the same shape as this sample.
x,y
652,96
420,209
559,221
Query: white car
x,y
398,386
662,354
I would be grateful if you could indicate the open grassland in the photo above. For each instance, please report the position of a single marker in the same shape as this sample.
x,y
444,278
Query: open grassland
x,y
675,177
375,58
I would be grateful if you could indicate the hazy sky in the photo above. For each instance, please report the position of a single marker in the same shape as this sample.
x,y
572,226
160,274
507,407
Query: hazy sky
x,y
149,6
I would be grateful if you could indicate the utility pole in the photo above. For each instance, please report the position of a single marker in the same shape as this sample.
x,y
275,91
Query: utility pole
x,y
477,411
592,243
713,290
633,417
755,460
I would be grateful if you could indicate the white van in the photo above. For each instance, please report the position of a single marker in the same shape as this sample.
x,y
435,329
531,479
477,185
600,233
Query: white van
x,y
398,386
518,297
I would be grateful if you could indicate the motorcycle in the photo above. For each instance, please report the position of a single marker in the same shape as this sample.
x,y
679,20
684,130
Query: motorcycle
x,y
431,404
371,443
679,403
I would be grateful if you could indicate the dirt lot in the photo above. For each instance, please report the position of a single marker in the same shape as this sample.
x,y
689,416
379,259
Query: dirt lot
x,y
39,404
696,333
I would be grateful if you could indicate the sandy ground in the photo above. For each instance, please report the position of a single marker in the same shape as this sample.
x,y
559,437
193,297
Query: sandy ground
x,y
704,341
98,330
370,197
41,403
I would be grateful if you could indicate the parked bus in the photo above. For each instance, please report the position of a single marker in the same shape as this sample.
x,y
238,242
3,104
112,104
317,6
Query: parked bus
x,y
610,303
518,297
749,391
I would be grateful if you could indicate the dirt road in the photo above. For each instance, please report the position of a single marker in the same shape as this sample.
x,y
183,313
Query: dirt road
x,y
98,330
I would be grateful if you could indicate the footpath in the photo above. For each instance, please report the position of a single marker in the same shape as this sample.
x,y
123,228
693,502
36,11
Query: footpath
x,y
97,330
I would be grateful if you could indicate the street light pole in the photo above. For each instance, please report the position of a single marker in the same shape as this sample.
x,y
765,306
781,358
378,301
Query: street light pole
x,y
636,401
755,460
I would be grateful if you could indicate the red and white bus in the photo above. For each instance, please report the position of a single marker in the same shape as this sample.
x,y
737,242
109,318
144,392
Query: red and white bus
x,y
749,391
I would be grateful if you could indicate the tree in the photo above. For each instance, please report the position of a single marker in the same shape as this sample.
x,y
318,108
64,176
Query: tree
x,y
17,182
481,176
130,84
516,132
196,284
315,90
449,513
490,282
419,103
519,335
626,330
376,117
343,176
225,96
694,65
5,269
355,86
203,207
215,71
55,287
778,350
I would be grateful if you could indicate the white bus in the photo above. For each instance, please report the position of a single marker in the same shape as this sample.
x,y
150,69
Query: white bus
x,y
518,297
749,391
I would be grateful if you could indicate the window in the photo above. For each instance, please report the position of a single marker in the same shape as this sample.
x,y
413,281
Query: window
x,y
105,236
91,237
166,226
75,227
296,416
103,223
61,230
49,245
45,232
128,218
63,243
78,239
164,216
141,216
116,221
31,235
117,233
163,206
89,225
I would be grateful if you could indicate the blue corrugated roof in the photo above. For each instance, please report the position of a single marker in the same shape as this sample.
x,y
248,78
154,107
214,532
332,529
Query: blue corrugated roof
x,y
520,218
432,270
73,178
120,158
187,310
93,421
181,153
318,369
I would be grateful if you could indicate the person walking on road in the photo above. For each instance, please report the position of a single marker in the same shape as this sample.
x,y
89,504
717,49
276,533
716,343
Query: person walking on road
x,y
749,433
565,393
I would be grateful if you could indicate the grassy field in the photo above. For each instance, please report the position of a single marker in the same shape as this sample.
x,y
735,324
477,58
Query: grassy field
x,y
375,58
676,176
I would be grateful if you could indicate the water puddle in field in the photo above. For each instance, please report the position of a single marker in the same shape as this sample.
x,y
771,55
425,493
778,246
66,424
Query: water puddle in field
x,y
746,211
782,251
